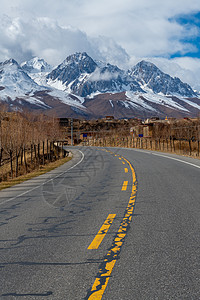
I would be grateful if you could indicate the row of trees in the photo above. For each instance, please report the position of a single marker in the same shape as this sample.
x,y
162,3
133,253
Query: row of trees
x,y
26,141
180,136
178,129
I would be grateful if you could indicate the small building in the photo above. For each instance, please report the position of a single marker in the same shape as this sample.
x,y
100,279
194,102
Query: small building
x,y
64,122
148,130
142,130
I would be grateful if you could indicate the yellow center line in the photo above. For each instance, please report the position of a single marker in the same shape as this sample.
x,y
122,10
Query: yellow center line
x,y
126,170
123,162
105,270
102,232
124,186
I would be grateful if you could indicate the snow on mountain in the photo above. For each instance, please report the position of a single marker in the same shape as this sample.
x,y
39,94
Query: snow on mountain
x,y
72,67
36,65
93,88
152,98
14,82
81,75
67,98
152,78
37,69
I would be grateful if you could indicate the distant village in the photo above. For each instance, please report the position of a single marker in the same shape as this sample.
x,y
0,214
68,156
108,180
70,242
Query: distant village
x,y
154,127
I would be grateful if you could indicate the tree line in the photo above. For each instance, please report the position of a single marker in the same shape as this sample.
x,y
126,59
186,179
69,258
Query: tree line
x,y
179,136
26,141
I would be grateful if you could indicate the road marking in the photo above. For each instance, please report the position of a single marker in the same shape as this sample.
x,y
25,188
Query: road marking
x,y
37,187
102,232
123,162
124,186
185,162
126,170
119,157
162,155
112,256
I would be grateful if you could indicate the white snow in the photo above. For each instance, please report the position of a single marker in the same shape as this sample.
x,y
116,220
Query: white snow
x,y
40,78
155,99
111,103
36,101
16,82
92,95
36,65
191,103
65,98
57,84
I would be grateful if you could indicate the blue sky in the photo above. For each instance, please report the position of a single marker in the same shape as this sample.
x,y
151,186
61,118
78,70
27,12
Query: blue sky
x,y
191,23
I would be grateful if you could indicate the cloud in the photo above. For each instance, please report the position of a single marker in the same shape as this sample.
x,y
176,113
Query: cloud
x,y
106,30
45,38
105,76
141,27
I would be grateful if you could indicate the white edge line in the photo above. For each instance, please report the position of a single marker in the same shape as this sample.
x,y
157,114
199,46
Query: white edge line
x,y
162,155
8,200
185,162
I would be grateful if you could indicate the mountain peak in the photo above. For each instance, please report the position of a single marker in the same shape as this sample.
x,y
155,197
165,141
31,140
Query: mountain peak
x,y
9,62
72,67
77,58
36,65
15,82
146,65
151,77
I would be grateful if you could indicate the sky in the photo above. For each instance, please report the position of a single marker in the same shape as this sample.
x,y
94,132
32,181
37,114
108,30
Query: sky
x,y
121,32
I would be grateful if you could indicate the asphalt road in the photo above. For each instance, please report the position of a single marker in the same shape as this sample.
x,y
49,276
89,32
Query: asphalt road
x,y
110,224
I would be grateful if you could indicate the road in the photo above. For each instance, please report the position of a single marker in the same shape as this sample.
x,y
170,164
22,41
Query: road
x,y
110,224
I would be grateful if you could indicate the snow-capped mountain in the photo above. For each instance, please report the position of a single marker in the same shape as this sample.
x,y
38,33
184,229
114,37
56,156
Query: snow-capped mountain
x,y
36,65
20,91
152,78
81,86
37,69
81,75
14,82
72,68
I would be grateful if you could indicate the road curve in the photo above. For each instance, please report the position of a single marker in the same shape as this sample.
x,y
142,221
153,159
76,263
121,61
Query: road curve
x,y
112,223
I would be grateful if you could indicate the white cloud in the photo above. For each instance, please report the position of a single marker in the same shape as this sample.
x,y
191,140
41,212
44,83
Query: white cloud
x,y
106,29
142,27
45,38
105,76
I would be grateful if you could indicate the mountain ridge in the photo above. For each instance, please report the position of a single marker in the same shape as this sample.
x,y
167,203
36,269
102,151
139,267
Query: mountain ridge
x,y
79,84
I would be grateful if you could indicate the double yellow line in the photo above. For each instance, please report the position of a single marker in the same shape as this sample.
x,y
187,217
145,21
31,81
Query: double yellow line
x,y
102,232
111,257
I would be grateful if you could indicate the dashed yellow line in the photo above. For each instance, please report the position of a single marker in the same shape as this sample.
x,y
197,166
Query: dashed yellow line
x,y
102,232
112,256
126,170
124,186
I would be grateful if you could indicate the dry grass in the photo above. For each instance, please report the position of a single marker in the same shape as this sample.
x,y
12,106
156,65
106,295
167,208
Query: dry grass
x,y
34,173
176,147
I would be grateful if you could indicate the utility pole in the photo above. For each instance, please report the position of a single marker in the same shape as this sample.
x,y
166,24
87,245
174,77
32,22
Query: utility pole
x,y
72,132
